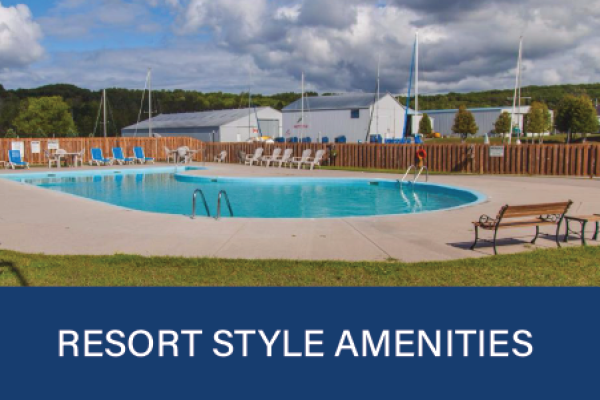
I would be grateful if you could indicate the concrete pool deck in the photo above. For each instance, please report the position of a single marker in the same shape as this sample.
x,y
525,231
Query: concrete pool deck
x,y
37,220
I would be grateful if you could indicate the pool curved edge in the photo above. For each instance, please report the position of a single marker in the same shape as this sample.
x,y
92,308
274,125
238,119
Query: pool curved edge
x,y
479,196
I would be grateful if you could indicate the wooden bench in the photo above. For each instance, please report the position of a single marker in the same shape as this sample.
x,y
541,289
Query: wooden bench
x,y
550,214
583,221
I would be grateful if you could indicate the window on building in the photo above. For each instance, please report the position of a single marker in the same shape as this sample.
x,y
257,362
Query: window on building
x,y
354,113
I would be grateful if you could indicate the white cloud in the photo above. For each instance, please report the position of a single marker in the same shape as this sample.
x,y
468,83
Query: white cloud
x,y
19,37
465,44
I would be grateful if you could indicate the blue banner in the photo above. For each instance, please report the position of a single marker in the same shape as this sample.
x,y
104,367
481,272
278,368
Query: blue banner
x,y
282,343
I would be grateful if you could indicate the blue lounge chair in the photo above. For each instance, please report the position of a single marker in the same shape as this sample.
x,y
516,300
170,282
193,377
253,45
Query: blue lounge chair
x,y
293,140
325,139
279,140
340,139
120,158
418,139
14,160
98,158
376,139
306,140
139,155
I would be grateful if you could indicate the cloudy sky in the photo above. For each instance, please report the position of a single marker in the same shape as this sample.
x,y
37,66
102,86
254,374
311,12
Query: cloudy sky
x,y
227,45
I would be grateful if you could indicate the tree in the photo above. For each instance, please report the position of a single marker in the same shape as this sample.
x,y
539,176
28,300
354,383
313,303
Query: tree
x,y
576,115
464,123
425,125
10,133
538,119
502,126
45,116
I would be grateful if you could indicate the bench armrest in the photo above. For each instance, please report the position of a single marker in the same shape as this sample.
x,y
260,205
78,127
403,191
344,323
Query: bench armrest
x,y
486,220
551,217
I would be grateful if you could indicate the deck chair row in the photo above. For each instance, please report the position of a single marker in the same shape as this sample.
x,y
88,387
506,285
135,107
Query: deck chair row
x,y
286,159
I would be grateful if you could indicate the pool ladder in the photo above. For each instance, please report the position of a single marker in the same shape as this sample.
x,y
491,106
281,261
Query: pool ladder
x,y
417,174
222,194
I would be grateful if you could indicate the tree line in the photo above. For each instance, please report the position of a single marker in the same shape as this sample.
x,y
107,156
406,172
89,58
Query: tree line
x,y
67,110
573,115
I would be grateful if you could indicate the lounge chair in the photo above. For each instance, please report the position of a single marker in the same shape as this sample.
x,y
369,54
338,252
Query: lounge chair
x,y
285,158
533,215
139,155
316,160
221,157
301,160
98,158
120,158
250,160
267,160
14,160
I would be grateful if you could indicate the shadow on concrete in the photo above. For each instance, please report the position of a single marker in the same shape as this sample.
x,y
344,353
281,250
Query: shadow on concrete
x,y
12,268
483,243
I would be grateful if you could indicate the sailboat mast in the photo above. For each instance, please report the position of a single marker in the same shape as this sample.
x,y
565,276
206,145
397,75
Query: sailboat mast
x,y
417,76
378,93
104,107
150,102
302,112
519,114
249,114
517,94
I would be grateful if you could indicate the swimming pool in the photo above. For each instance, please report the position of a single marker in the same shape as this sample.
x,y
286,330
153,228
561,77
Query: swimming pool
x,y
166,190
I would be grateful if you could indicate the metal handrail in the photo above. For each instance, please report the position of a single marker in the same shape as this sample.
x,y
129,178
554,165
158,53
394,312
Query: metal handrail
x,y
203,200
420,172
408,172
221,193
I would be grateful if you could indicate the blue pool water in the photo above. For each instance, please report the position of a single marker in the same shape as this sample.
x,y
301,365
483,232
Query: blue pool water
x,y
164,191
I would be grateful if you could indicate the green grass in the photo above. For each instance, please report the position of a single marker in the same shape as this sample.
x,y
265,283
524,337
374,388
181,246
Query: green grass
x,y
564,267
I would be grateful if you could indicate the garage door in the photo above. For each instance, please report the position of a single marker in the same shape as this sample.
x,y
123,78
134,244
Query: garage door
x,y
269,127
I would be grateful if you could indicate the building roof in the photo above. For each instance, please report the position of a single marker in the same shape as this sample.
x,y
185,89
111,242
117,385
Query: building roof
x,y
195,119
337,102
524,109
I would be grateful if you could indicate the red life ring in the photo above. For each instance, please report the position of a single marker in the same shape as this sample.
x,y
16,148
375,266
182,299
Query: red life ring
x,y
421,153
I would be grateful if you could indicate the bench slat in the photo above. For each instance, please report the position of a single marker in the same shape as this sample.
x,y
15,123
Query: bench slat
x,y
534,213
516,224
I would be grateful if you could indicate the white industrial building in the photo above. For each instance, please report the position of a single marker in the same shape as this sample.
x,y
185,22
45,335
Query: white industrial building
x,y
355,116
238,125
443,120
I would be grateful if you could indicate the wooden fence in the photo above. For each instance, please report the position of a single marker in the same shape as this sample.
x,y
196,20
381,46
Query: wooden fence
x,y
558,160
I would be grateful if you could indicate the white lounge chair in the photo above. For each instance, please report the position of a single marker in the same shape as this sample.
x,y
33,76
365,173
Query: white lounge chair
x,y
269,159
285,158
221,157
300,160
250,160
316,160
